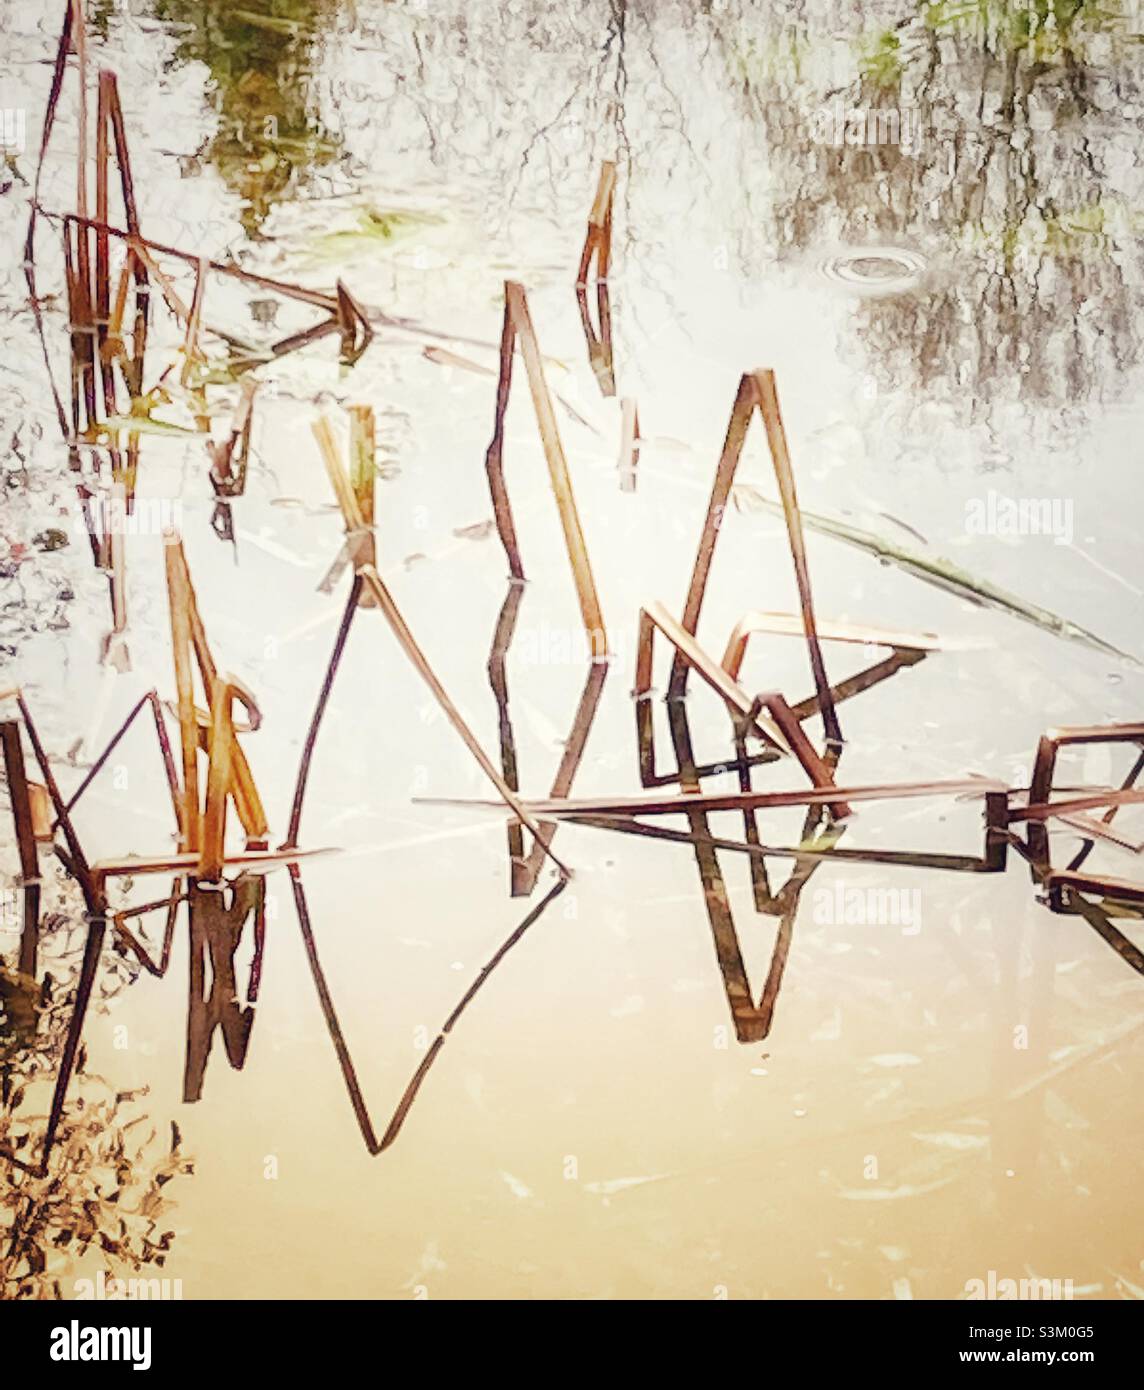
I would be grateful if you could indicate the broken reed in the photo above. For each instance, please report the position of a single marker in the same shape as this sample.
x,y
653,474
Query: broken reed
x,y
757,393
201,861
517,329
365,575
524,869
598,240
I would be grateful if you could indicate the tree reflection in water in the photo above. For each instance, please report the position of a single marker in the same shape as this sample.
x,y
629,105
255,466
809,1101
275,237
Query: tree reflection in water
x,y
1021,188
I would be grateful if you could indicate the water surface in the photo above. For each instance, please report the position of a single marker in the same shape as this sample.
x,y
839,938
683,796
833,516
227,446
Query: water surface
x,y
929,1091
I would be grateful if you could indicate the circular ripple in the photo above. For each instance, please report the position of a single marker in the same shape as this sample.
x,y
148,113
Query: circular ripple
x,y
875,270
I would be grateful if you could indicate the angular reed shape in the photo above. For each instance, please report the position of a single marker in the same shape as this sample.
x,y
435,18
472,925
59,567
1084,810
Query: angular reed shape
x,y
757,393
598,241
367,577
601,353
525,869
228,774
1063,887
518,326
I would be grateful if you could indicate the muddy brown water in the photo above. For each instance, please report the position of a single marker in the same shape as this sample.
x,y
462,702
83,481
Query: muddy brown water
x,y
942,1093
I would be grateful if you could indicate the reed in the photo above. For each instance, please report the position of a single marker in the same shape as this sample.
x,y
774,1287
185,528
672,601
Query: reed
x,y
757,393
598,240
517,328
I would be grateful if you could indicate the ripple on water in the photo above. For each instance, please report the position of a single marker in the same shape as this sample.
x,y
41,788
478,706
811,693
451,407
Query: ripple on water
x,y
874,270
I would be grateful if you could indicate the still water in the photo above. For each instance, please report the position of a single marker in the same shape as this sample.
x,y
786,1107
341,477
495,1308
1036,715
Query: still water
x,y
950,300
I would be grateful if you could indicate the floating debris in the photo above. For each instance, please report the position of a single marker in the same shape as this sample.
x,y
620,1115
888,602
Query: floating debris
x,y
943,573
